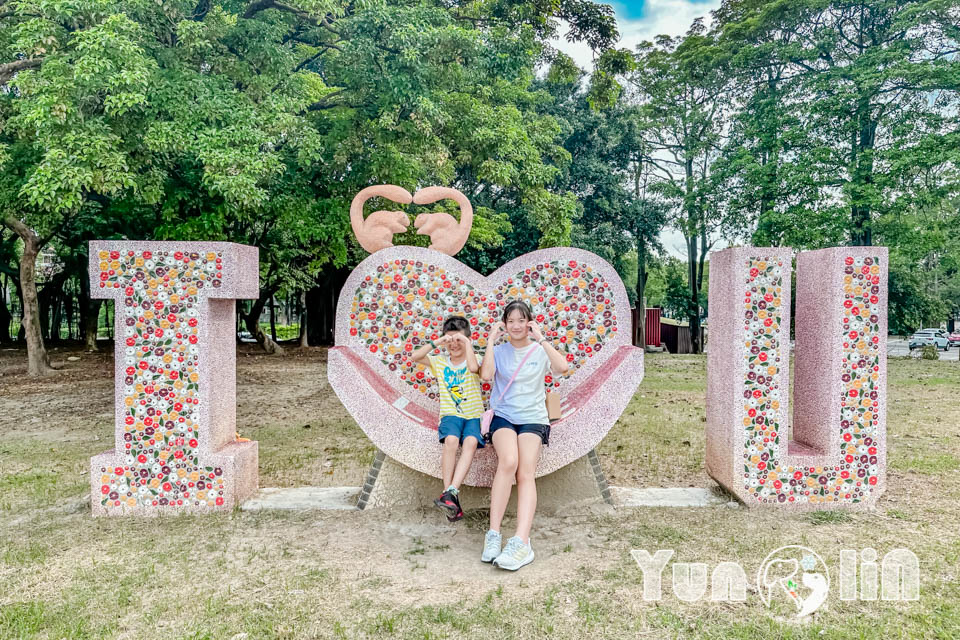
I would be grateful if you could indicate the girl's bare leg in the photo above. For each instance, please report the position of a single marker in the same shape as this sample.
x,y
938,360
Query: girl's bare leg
x,y
529,453
505,443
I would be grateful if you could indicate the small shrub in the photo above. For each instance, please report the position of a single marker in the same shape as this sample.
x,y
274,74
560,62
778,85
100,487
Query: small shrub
x,y
929,352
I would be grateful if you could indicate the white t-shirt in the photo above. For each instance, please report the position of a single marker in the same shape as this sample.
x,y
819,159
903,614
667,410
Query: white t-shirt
x,y
525,400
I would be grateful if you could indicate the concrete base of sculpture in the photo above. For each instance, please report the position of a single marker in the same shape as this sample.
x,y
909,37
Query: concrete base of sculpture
x,y
579,487
672,497
303,499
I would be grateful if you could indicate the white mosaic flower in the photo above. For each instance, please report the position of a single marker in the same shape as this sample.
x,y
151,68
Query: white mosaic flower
x,y
149,265
138,285
366,324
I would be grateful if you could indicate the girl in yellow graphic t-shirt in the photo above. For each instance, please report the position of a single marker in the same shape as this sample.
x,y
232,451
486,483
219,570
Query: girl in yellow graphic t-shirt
x,y
461,405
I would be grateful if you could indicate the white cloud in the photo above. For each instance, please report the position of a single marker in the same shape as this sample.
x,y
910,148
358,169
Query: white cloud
x,y
669,17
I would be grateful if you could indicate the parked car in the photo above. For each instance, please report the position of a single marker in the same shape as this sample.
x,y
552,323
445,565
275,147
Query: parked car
x,y
936,337
954,338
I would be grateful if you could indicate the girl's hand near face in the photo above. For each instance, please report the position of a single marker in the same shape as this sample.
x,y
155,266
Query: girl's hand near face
x,y
488,368
496,332
535,330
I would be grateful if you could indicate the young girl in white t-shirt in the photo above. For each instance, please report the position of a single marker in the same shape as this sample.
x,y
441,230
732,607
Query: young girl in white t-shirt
x,y
519,428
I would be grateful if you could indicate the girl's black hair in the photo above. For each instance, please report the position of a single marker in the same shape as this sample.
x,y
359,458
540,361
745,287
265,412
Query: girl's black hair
x,y
518,305
456,323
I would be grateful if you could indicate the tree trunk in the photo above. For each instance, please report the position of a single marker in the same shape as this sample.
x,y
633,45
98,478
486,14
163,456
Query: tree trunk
x,y
862,144
641,287
38,361
692,235
69,316
273,318
322,302
304,341
91,325
56,317
694,302
89,309
20,332
252,320
5,316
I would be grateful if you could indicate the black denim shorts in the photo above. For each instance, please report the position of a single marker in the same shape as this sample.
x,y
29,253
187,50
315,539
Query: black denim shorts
x,y
542,430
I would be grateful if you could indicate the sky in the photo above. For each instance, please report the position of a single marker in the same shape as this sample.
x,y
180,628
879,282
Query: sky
x,y
644,20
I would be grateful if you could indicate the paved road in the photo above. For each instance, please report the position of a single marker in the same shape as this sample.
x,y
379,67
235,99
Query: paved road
x,y
897,347
900,348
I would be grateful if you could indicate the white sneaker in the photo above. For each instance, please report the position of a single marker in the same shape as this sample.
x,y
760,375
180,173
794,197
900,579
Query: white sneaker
x,y
514,555
491,546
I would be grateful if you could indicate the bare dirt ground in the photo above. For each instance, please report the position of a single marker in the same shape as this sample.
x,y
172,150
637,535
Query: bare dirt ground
x,y
409,573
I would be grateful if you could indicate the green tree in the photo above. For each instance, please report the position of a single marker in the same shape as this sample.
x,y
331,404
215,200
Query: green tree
x,y
258,122
679,86
854,105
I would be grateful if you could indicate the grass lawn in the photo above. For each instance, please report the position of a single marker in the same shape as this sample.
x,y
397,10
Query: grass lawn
x,y
410,574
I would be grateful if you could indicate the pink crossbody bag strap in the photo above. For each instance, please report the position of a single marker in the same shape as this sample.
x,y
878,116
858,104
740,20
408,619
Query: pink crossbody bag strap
x,y
487,416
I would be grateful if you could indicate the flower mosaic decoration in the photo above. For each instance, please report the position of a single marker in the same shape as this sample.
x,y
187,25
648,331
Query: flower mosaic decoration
x,y
846,467
399,297
402,303
164,346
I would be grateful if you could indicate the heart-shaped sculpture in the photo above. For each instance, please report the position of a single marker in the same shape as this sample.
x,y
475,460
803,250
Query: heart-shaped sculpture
x,y
398,298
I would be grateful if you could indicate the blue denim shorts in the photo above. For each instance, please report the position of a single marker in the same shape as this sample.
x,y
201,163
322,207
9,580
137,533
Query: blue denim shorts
x,y
542,430
461,428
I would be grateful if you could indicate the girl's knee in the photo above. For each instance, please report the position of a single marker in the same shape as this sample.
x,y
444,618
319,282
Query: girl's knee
x,y
526,475
451,441
507,464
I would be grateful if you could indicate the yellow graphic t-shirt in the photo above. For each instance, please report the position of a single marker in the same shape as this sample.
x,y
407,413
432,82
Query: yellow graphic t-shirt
x,y
459,389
